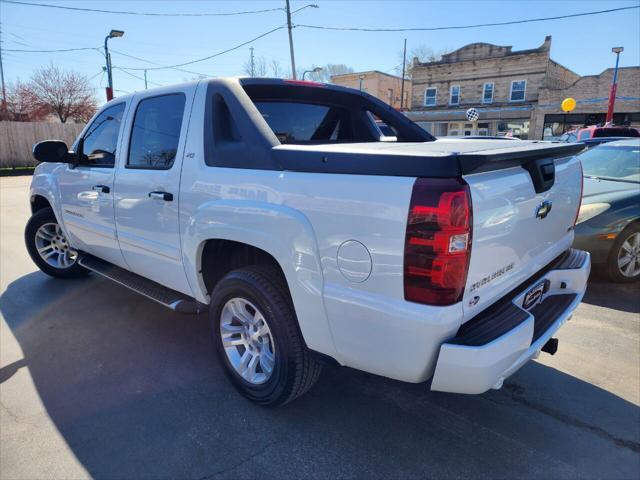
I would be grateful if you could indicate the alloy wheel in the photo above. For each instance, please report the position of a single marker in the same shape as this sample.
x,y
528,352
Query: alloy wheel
x,y
247,340
53,246
629,256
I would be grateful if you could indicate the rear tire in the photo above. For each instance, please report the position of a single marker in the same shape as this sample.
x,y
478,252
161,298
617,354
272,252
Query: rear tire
x,y
49,248
257,338
623,264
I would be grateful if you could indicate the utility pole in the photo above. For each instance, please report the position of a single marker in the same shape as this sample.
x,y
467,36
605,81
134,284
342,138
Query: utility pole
x,y
293,58
253,63
145,78
4,91
404,63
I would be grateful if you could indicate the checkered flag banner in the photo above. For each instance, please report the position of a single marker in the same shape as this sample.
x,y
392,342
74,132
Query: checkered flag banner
x,y
473,114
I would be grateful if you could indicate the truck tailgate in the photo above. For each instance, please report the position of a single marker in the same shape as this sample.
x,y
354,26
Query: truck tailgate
x,y
516,229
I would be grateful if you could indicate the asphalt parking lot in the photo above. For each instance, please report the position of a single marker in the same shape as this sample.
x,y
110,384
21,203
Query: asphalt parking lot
x,y
97,381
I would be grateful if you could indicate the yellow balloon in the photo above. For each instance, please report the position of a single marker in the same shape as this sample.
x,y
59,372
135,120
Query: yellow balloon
x,y
568,104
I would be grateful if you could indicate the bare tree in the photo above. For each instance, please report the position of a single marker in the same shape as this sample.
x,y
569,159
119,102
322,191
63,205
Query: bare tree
x,y
66,94
328,71
276,68
257,69
261,66
22,104
423,54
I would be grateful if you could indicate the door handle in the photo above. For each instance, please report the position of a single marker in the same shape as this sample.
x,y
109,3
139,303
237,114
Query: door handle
x,y
167,197
101,188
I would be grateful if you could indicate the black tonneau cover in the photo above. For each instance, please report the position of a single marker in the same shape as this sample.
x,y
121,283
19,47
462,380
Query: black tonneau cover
x,y
440,159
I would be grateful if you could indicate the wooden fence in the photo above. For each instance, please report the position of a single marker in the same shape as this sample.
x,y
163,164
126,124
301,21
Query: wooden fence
x,y
17,139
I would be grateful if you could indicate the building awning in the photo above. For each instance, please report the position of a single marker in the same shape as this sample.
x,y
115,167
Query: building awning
x,y
486,113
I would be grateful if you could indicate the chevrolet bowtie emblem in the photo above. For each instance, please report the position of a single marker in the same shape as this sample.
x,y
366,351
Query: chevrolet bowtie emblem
x,y
543,209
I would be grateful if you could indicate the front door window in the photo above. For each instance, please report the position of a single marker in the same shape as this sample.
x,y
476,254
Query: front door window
x,y
101,138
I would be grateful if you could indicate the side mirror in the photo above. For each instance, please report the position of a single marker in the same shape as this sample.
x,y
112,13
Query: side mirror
x,y
55,151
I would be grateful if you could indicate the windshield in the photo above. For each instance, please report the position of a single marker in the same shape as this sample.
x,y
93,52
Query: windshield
x,y
612,162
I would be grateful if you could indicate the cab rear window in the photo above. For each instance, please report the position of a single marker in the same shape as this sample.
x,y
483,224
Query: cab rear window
x,y
303,122
306,114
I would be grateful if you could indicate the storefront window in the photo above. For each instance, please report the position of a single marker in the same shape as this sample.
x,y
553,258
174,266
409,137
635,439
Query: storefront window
x,y
514,128
557,124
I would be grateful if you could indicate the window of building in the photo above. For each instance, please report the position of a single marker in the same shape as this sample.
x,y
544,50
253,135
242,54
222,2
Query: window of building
x,y
430,96
487,93
518,90
453,129
483,129
514,128
156,132
454,95
428,126
101,139
390,95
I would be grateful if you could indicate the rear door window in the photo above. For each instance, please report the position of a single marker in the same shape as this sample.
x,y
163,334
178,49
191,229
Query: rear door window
x,y
156,132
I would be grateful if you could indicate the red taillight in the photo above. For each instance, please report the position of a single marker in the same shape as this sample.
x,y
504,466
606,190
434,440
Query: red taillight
x,y
575,220
438,241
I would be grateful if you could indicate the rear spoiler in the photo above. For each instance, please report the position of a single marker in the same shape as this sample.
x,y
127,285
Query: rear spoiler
x,y
434,164
501,158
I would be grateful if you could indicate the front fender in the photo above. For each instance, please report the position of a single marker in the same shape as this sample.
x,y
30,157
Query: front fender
x,y
284,233
45,184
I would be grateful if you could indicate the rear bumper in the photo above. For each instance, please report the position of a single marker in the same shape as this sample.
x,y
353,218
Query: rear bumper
x,y
495,344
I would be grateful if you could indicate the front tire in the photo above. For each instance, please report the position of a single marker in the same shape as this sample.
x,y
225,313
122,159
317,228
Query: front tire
x,y
257,338
49,248
624,259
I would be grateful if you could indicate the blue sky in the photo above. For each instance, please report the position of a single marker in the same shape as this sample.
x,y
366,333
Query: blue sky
x,y
582,44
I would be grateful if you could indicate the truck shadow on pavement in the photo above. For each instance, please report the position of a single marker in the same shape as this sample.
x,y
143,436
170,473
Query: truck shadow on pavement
x,y
619,296
136,392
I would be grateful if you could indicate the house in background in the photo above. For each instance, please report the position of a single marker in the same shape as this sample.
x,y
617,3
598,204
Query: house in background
x,y
381,85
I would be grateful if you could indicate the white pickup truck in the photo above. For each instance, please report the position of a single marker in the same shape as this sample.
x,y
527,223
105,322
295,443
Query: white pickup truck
x,y
310,237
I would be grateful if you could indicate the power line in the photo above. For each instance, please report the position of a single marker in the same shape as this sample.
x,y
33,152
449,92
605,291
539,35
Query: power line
x,y
148,14
123,70
211,56
59,50
461,27
154,63
94,76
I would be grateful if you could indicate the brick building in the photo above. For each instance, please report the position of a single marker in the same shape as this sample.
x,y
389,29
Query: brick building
x,y
516,92
382,85
591,93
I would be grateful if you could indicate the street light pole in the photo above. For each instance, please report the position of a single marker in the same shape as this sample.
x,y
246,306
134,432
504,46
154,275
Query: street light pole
x,y
145,78
107,56
614,86
361,77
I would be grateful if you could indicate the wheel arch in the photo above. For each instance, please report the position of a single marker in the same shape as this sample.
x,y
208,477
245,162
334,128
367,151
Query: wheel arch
x,y
226,234
220,256
39,202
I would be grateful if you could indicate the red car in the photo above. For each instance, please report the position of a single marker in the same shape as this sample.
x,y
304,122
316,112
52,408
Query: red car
x,y
597,132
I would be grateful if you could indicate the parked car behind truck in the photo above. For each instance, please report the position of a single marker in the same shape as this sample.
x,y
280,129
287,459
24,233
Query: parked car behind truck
x,y
609,221
275,206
